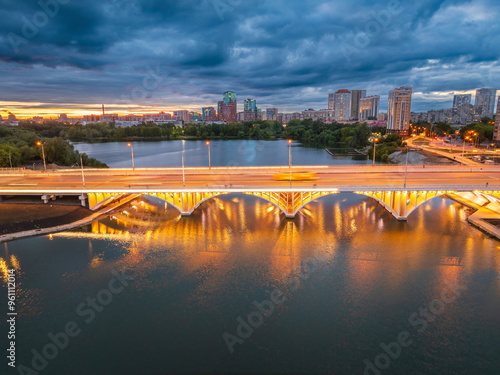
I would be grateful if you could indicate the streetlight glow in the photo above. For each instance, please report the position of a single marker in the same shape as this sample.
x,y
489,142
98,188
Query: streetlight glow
x,y
132,151
40,143
375,140
209,162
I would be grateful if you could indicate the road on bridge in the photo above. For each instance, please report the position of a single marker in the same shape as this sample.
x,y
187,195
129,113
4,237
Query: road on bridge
x,y
257,179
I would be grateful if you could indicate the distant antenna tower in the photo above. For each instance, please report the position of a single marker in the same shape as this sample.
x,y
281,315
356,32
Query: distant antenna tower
x,y
103,109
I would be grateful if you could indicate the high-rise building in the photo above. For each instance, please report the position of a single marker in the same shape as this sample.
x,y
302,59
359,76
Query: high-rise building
x,y
356,96
209,114
342,105
485,101
368,107
331,101
399,110
229,107
250,110
382,117
272,113
461,101
220,114
182,115
496,131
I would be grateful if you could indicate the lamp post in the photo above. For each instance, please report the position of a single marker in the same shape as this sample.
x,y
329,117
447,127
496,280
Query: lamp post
x,y
39,143
209,163
10,159
182,158
290,159
406,167
375,140
132,150
463,146
83,176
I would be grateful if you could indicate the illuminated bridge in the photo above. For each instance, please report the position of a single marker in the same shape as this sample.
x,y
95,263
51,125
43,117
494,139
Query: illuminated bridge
x,y
398,190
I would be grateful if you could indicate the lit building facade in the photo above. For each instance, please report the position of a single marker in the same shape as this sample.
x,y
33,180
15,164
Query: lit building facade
x,y
331,101
485,102
461,101
342,105
209,114
399,111
250,110
368,108
496,131
356,96
229,107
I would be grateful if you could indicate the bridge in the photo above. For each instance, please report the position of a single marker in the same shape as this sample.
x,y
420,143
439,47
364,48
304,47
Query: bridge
x,y
398,189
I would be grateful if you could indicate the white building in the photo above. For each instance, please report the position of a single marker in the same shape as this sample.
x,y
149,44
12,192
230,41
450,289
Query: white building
x,y
485,101
399,110
342,105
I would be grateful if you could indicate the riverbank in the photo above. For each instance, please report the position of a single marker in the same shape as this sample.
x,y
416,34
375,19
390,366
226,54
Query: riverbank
x,y
419,157
51,227
18,217
486,216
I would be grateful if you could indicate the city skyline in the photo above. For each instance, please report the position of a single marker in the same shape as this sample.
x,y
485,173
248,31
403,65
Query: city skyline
x,y
95,109
100,52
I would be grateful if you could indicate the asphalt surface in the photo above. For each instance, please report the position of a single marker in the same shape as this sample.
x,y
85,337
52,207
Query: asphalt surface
x,y
39,181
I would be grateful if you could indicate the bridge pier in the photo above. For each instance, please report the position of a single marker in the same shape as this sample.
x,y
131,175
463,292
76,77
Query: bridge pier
x,y
402,203
82,200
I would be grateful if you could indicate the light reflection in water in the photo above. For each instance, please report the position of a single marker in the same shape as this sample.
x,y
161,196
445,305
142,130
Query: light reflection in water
x,y
227,226
194,275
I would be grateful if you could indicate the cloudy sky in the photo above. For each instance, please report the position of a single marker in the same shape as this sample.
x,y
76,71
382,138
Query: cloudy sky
x,y
150,55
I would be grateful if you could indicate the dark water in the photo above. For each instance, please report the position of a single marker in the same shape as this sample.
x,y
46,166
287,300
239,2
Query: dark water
x,y
363,276
223,153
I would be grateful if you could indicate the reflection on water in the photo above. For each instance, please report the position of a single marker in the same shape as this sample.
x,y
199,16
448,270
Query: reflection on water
x,y
224,153
194,276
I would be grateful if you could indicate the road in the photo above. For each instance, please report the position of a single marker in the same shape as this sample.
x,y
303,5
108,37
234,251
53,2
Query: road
x,y
204,178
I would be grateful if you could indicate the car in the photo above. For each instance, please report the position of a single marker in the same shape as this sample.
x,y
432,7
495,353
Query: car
x,y
296,176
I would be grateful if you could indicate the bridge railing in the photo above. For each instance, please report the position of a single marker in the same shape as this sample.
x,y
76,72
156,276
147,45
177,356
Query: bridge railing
x,y
261,169
241,188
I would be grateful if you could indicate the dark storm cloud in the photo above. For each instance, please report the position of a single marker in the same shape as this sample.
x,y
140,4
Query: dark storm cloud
x,y
284,53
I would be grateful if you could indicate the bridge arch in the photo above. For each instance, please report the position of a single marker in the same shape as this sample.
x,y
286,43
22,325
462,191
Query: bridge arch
x,y
399,203
287,202
97,200
402,203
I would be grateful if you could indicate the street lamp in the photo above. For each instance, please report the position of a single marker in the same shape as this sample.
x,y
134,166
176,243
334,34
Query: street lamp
x,y
39,143
209,163
375,140
290,159
132,150
463,147
83,176
182,157
406,168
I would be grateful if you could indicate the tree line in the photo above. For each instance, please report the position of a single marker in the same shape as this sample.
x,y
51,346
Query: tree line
x,y
18,147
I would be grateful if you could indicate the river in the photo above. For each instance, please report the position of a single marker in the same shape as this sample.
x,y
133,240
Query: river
x,y
237,288
222,153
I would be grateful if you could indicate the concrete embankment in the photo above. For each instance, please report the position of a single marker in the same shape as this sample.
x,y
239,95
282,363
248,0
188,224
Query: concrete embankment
x,y
486,211
79,223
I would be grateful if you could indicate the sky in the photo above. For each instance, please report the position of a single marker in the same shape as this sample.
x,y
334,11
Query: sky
x,y
69,56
